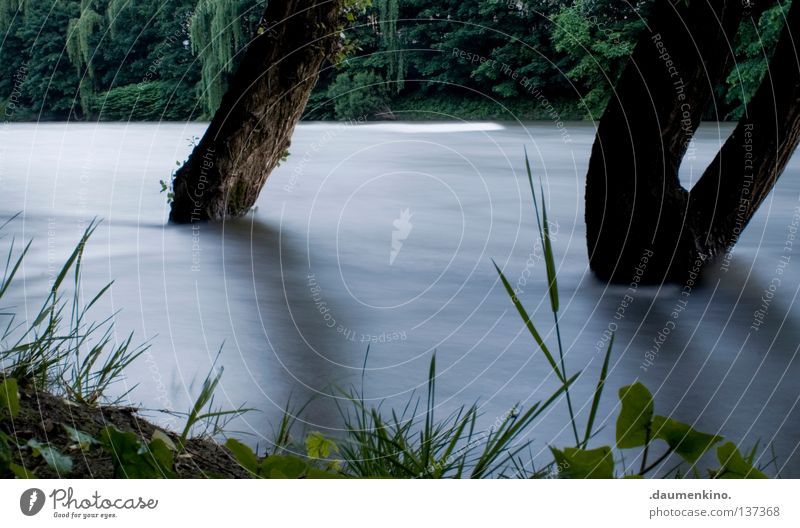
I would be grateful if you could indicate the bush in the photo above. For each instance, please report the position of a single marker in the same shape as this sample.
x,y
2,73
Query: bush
x,y
151,101
364,93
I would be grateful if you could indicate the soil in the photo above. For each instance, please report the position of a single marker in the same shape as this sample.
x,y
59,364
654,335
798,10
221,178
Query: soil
x,y
43,415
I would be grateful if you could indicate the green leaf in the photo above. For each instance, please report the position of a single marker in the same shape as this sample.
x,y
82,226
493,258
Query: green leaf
x,y
60,463
119,443
734,466
529,324
544,235
598,393
132,459
162,456
576,463
635,416
243,455
158,434
317,446
9,398
20,472
282,467
689,443
83,440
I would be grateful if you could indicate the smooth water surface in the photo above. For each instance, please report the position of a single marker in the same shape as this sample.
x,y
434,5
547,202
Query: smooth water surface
x,y
384,235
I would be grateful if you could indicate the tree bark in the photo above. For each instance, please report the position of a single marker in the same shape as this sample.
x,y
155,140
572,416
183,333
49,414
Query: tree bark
x,y
251,131
635,206
747,167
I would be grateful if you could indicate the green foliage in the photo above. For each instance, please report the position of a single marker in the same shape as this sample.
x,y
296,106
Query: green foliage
x,y
319,447
362,93
682,438
754,45
597,40
108,43
584,463
60,463
133,459
734,465
83,441
388,11
80,37
59,349
9,398
173,59
635,417
150,101
219,30
637,425
281,466
403,445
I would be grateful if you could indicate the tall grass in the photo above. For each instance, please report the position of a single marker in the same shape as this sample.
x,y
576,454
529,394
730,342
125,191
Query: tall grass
x,y
60,349
405,445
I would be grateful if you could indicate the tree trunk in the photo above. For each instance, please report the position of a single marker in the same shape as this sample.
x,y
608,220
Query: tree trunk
x,y
252,129
747,167
635,206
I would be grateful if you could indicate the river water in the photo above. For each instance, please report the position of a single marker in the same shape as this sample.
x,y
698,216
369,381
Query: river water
x,y
384,235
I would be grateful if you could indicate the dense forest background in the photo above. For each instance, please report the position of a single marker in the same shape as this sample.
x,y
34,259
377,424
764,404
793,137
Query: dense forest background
x,y
143,60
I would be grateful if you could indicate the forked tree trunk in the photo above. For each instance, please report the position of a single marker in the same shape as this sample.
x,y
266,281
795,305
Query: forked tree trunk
x,y
251,130
638,215
747,167
635,206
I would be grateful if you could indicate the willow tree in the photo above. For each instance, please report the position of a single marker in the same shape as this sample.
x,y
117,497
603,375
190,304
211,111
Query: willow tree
x,y
251,130
218,31
388,13
10,9
639,218
81,47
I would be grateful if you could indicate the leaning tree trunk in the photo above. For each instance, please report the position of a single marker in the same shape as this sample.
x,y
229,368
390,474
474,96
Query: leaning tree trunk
x,y
251,130
747,167
635,205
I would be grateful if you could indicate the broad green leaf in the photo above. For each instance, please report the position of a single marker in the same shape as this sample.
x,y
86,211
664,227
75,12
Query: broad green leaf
x,y
83,440
689,443
243,455
132,459
575,463
734,466
9,398
118,442
317,446
158,434
60,463
285,467
635,416
162,456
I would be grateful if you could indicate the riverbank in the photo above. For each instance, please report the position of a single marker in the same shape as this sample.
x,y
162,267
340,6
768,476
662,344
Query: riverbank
x,y
54,423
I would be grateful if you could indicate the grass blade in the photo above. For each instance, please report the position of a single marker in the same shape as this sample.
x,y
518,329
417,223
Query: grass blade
x,y
598,392
531,328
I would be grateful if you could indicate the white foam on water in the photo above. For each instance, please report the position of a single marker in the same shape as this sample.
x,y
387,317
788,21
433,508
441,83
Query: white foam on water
x,y
434,128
